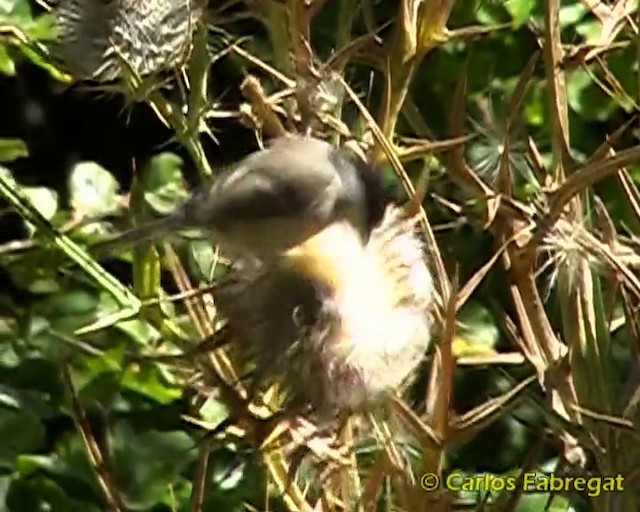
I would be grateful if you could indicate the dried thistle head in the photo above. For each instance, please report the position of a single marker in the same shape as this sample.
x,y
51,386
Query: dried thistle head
x,y
570,247
338,322
151,36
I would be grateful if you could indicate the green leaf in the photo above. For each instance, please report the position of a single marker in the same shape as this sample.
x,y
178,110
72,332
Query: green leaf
x,y
70,303
42,28
205,257
587,98
110,362
44,200
163,186
147,382
20,202
7,65
148,463
93,189
9,357
7,176
42,493
17,10
24,400
139,331
68,472
476,331
520,10
571,14
21,431
29,464
541,501
29,273
591,30
214,412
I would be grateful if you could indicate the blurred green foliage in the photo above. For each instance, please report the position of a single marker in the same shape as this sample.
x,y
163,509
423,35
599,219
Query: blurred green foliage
x,y
137,410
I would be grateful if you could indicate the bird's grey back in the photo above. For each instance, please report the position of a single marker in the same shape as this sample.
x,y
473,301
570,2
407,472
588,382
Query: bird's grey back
x,y
278,197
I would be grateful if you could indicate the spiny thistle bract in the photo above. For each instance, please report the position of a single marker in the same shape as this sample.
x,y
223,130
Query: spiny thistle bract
x,y
95,37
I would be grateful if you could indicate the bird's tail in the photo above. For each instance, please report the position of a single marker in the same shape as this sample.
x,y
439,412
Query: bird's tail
x,y
151,230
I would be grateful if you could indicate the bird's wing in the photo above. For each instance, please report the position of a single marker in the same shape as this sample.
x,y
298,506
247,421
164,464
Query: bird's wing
x,y
284,181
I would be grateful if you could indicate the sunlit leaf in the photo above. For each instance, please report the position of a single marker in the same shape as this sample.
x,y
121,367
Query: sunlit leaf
x,y
520,10
12,149
93,189
164,187
7,65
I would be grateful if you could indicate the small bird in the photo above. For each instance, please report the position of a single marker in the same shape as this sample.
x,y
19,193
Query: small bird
x,y
274,199
330,295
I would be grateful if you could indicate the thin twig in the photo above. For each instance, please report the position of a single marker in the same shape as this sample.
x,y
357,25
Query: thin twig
x,y
105,479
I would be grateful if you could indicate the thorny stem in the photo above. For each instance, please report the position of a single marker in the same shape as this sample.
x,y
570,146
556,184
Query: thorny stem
x,y
346,12
178,123
419,27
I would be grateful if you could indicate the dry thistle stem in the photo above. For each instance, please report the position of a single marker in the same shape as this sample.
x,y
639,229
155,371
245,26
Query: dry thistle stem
x,y
95,37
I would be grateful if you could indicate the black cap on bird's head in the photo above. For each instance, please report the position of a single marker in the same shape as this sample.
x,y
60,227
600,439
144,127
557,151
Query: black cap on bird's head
x,y
364,186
